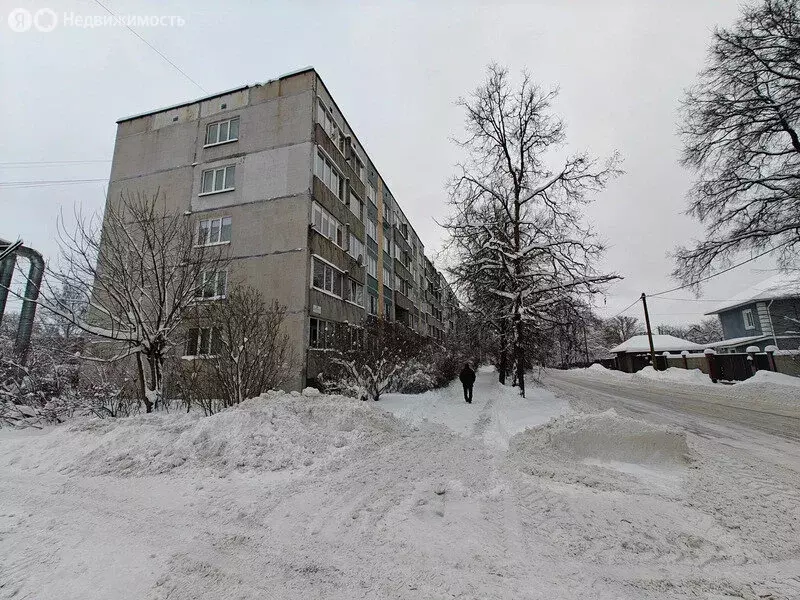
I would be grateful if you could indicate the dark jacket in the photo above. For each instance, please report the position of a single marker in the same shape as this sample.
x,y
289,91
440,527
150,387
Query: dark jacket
x,y
467,375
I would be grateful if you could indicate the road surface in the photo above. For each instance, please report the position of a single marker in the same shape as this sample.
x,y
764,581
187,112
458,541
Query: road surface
x,y
707,411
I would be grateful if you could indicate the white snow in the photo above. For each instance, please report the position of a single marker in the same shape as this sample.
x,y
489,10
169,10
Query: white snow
x,y
661,343
675,375
416,496
781,285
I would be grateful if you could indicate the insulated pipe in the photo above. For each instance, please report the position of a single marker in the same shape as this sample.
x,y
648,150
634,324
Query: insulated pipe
x,y
28,311
6,271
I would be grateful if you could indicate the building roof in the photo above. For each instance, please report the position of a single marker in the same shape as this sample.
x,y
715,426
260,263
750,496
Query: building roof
x,y
661,343
740,341
211,96
782,285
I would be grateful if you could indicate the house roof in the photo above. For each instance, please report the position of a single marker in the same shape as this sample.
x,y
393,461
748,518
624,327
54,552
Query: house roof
x,y
782,285
739,341
661,343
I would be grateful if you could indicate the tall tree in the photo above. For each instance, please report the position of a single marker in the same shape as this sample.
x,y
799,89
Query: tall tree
x,y
740,134
517,231
620,328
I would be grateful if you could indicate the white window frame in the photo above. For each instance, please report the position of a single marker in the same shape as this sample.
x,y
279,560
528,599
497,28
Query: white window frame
x,y
748,312
371,229
228,186
372,195
213,332
328,223
219,241
329,168
372,266
356,247
368,306
353,284
327,265
218,124
329,124
387,278
207,275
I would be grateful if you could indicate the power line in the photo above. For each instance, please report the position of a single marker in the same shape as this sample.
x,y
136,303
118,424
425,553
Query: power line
x,y
154,49
35,163
11,185
626,308
731,268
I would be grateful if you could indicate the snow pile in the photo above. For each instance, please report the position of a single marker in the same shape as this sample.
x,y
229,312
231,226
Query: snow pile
x,y
771,377
570,449
674,375
776,389
598,370
606,436
271,433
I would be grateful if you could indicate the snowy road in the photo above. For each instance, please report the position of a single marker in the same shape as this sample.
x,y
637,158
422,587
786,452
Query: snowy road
x,y
711,402
293,497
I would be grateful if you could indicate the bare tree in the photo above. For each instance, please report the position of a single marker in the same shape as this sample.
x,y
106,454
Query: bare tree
x,y
517,220
620,328
139,271
252,353
740,135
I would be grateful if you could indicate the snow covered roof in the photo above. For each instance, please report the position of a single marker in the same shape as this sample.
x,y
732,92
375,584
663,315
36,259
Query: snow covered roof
x,y
782,285
740,341
661,343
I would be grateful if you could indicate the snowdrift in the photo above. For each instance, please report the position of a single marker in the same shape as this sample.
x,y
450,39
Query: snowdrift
x,y
273,432
604,451
605,436
674,375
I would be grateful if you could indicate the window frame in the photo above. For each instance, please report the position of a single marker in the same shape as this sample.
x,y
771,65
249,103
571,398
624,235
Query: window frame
x,y
214,335
327,266
215,170
220,241
748,312
202,286
359,287
328,162
326,221
230,120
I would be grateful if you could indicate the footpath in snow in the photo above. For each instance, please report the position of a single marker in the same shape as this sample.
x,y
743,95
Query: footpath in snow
x,y
413,497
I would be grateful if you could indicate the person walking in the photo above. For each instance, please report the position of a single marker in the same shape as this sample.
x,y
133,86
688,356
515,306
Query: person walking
x,y
467,377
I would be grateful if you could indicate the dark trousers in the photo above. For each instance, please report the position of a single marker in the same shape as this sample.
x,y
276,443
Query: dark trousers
x,y
467,392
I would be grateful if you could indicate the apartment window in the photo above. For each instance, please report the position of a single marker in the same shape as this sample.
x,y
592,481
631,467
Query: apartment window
x,y
372,266
356,247
212,285
325,119
387,245
355,292
218,180
326,278
372,229
356,206
214,231
358,167
372,306
202,341
749,323
372,195
387,213
328,174
222,131
387,277
327,225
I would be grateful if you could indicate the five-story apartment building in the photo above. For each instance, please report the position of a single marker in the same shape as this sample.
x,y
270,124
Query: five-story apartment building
x,y
274,172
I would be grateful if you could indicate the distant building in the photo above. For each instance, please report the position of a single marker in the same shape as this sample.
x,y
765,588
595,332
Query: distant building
x,y
634,354
274,172
765,314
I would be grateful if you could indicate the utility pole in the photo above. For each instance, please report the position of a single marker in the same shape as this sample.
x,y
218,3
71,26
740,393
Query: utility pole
x,y
649,331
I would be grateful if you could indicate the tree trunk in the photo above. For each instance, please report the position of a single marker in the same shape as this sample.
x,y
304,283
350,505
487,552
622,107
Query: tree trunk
x,y
519,354
503,352
148,407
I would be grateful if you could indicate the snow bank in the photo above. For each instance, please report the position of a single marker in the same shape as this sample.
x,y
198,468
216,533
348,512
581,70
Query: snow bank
x,y
771,377
271,433
605,436
674,375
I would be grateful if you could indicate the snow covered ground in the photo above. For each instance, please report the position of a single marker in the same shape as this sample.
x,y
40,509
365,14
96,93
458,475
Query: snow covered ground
x,y
422,497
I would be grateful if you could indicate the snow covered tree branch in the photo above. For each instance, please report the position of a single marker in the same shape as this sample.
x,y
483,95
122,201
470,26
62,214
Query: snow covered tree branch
x,y
517,231
740,134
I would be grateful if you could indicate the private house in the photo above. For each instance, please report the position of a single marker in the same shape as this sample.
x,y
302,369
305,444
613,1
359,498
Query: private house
x,y
766,314
634,354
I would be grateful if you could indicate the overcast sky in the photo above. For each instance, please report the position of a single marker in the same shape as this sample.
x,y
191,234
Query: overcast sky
x,y
395,69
